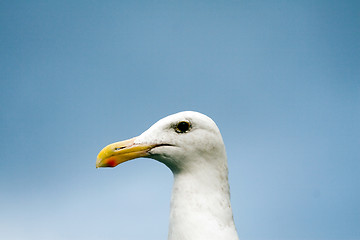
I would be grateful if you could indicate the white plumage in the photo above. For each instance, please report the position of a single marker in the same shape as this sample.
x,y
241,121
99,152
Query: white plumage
x,y
190,144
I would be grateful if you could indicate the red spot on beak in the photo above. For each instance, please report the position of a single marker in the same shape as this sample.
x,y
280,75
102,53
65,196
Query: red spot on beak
x,y
111,162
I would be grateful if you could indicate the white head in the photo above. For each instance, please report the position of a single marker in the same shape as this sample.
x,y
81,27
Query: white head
x,y
176,140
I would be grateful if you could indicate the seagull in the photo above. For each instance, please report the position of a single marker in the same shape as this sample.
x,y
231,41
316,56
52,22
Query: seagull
x,y
190,144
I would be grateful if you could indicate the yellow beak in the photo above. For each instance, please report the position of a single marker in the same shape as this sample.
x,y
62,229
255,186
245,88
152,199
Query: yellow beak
x,y
119,152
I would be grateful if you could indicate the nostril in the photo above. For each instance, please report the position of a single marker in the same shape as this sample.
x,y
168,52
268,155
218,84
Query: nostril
x,y
119,148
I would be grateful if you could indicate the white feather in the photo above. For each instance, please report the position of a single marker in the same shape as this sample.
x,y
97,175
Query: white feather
x,y
200,202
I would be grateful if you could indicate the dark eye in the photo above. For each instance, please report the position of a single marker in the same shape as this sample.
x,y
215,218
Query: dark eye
x,y
182,127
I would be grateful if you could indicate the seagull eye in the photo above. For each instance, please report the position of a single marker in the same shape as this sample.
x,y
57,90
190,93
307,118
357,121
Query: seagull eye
x,y
182,127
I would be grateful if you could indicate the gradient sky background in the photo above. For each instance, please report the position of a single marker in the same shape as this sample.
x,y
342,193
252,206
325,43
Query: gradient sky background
x,y
280,78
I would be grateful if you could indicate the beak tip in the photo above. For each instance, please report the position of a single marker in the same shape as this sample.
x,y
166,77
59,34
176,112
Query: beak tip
x,y
98,163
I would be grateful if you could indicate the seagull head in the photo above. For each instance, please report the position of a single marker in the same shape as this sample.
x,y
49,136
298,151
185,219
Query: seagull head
x,y
182,141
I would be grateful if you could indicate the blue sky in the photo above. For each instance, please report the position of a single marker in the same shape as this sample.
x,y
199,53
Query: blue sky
x,y
280,78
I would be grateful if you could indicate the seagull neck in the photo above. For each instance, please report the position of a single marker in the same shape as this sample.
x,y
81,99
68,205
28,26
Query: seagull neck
x,y
200,205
